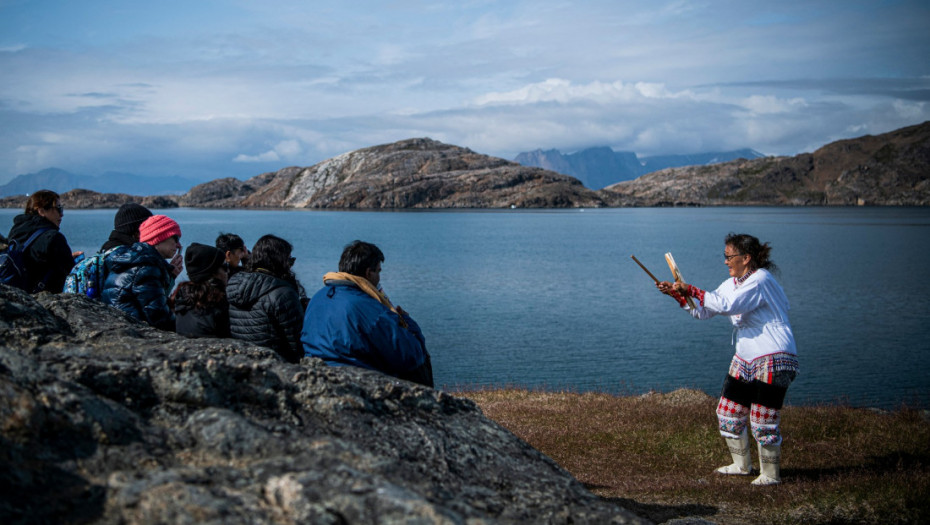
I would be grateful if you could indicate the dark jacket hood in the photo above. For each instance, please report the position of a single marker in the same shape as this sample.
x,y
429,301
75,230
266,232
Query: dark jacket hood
x,y
139,254
25,224
118,239
246,288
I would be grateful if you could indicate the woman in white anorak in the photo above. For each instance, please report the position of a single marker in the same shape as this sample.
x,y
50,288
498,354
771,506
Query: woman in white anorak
x,y
766,360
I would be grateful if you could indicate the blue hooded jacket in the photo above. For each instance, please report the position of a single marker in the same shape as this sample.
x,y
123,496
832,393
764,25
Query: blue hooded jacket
x,y
346,326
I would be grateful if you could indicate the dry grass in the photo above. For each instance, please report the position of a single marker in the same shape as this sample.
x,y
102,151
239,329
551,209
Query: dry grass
x,y
656,454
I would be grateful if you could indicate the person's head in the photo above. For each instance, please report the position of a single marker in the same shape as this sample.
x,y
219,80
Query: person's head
x,y
46,204
743,253
362,259
204,263
129,217
233,248
162,233
272,254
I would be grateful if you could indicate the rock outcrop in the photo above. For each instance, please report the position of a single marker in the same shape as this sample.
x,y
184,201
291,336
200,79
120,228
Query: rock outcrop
x,y
892,169
88,200
415,173
106,420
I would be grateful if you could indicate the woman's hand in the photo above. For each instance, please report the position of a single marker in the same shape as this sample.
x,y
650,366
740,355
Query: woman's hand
x,y
177,264
672,288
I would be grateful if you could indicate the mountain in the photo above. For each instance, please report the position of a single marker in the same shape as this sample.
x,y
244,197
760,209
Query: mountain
x,y
413,173
661,162
601,166
61,181
886,170
892,169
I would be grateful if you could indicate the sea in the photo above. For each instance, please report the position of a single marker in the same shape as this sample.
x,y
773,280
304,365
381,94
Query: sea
x,y
551,300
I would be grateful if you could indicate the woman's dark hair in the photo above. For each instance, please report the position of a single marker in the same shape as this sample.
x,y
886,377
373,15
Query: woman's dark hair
x,y
203,295
758,252
41,200
228,242
359,256
271,255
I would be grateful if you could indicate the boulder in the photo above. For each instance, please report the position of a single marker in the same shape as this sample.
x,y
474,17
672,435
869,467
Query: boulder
x,y
106,420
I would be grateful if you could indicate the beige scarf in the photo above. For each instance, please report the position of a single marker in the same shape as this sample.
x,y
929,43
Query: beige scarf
x,y
365,286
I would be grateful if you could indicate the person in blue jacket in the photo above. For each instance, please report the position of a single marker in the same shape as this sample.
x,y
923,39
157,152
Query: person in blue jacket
x,y
351,322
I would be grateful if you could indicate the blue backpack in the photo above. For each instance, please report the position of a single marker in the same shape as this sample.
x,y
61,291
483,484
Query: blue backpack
x,y
12,264
88,276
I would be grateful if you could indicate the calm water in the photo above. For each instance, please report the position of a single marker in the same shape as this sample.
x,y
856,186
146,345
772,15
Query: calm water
x,y
551,299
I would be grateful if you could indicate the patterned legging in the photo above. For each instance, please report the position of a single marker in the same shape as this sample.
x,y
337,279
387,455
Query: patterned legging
x,y
756,401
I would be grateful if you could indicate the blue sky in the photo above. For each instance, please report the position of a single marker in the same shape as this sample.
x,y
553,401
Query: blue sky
x,y
210,89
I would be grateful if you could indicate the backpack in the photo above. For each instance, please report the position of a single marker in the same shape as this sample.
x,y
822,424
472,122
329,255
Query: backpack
x,y
13,270
88,276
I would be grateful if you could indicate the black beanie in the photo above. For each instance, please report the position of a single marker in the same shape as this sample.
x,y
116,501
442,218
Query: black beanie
x,y
202,261
129,217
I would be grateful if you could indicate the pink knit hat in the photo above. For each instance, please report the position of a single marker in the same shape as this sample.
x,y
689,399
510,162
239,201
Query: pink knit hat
x,y
157,228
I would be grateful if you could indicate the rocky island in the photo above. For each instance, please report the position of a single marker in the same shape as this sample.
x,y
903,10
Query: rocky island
x,y
106,420
892,169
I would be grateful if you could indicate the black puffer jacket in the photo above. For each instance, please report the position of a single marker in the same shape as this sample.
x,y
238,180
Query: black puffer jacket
x,y
48,255
266,311
138,281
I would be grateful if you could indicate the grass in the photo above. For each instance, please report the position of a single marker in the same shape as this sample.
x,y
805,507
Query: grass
x,y
656,455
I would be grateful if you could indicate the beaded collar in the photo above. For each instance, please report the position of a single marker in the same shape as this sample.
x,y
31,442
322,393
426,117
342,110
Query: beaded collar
x,y
739,280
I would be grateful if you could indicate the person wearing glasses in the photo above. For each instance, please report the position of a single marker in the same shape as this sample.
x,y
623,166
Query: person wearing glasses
x,y
49,258
766,359
200,305
139,277
264,299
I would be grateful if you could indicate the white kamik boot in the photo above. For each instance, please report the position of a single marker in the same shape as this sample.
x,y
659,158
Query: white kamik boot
x,y
739,451
770,463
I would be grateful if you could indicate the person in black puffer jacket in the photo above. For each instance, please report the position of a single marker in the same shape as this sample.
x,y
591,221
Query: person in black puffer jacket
x,y
200,306
49,259
264,302
139,278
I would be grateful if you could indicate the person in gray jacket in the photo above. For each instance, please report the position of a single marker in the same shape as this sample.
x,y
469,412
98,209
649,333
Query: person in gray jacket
x,y
264,301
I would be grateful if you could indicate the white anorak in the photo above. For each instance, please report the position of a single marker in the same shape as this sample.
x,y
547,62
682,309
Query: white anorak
x,y
758,309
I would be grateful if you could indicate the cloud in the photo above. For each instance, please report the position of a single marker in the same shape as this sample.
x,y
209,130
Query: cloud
x,y
285,150
190,90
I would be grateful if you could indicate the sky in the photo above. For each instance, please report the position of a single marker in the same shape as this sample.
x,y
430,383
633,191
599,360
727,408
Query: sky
x,y
208,89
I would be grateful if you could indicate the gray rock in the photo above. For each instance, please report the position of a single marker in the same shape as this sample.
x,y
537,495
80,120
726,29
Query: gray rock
x,y
892,169
106,420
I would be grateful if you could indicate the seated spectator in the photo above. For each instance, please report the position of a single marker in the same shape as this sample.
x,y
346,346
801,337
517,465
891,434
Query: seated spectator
x,y
264,301
49,259
233,248
350,321
200,306
126,225
138,277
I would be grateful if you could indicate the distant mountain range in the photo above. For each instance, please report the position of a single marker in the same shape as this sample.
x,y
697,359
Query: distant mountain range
x,y
600,167
60,181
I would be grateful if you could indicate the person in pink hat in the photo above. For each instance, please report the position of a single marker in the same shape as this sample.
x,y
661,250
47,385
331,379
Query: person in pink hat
x,y
139,278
